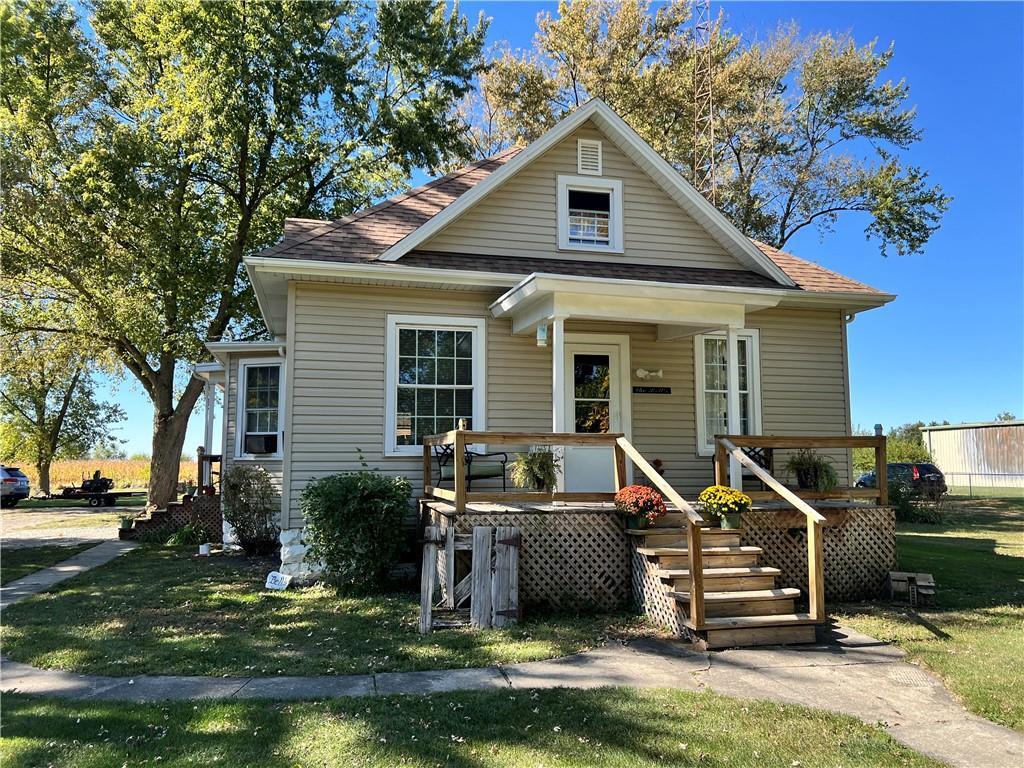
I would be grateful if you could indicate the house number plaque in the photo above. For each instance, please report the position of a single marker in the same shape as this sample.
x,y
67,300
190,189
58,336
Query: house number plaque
x,y
652,390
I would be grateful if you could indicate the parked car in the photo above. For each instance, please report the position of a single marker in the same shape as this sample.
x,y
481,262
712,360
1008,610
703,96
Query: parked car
x,y
13,486
923,479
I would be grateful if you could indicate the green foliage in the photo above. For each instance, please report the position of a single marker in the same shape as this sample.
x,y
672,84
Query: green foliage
x,y
251,507
909,508
188,534
536,469
805,128
48,405
143,161
354,526
903,444
812,470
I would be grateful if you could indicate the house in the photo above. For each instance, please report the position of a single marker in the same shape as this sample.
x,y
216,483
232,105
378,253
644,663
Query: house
x,y
578,284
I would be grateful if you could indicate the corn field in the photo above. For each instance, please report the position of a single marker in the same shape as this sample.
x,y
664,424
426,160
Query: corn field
x,y
126,473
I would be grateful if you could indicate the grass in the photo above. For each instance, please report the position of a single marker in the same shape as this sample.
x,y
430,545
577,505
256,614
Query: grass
x,y
163,611
971,637
124,501
21,561
601,728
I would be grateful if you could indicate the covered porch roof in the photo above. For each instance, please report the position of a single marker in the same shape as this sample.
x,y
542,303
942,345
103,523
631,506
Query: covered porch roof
x,y
677,310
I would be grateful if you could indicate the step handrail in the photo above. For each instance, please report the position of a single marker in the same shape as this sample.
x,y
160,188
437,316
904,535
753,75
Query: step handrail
x,y
694,547
815,566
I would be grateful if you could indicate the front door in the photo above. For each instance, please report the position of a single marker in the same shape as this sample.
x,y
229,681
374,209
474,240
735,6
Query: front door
x,y
593,403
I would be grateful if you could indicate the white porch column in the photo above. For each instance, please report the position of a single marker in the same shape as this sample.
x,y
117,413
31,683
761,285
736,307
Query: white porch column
x,y
733,402
558,420
209,390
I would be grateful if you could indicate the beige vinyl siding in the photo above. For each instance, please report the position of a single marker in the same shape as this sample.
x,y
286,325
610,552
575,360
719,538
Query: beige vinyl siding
x,y
229,450
519,219
337,404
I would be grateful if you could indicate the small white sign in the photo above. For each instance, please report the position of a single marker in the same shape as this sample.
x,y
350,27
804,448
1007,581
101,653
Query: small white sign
x,y
276,580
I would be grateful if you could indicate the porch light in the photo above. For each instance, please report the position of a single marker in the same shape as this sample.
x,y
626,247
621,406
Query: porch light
x,y
542,335
643,374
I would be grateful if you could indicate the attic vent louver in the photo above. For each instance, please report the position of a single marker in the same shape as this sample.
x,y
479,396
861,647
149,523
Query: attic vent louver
x,y
588,156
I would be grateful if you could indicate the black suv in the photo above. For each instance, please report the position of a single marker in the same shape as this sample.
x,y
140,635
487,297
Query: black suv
x,y
922,479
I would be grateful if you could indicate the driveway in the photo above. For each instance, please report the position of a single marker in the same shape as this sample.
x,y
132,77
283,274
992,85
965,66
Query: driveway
x,y
62,526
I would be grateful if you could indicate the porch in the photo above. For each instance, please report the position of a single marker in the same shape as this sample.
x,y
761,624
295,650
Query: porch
x,y
764,583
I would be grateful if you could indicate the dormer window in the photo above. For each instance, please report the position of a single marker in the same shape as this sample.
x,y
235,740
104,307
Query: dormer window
x,y
589,214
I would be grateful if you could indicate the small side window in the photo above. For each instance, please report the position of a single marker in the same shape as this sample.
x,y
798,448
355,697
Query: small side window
x,y
259,409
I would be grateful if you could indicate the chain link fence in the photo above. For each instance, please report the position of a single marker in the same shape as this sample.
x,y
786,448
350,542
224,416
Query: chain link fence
x,y
982,485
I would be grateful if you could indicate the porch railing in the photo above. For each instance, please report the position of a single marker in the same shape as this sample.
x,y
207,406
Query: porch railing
x,y
771,442
622,450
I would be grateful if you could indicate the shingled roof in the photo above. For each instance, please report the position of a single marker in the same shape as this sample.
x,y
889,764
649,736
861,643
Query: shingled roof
x,y
363,236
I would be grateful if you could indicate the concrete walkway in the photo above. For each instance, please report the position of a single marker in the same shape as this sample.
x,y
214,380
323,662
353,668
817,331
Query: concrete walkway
x,y
42,580
844,672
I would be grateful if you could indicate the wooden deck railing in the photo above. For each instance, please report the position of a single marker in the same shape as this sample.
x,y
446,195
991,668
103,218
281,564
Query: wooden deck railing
x,y
880,493
815,564
621,449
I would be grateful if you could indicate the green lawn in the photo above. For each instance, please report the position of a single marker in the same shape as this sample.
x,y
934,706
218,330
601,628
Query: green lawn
x,y
124,501
604,727
15,563
163,611
972,637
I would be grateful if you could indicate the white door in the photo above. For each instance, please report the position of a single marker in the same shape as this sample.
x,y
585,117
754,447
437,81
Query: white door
x,y
593,403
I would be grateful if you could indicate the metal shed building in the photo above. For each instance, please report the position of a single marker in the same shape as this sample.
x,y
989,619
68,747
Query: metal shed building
x,y
978,456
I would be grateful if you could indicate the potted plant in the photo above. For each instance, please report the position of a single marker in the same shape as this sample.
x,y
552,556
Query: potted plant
x,y
641,505
126,522
725,503
536,469
812,470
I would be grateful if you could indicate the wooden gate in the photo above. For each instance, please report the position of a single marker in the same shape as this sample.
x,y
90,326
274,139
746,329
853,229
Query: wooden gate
x,y
490,587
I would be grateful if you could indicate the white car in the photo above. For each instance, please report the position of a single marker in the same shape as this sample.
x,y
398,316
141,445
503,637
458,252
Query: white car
x,y
13,486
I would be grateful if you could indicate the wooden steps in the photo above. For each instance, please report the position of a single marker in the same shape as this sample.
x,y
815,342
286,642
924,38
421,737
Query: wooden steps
x,y
743,606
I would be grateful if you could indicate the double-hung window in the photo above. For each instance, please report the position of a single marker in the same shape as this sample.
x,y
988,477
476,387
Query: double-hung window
x,y
260,406
589,214
712,373
435,378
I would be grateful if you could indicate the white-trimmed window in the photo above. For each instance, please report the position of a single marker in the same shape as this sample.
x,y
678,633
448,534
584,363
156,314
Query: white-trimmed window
x,y
260,406
711,364
435,375
589,214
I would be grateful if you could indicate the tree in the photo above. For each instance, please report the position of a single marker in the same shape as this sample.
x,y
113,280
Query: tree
x,y
1005,416
805,128
48,404
143,162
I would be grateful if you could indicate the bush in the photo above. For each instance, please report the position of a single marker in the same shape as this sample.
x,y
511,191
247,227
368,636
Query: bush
x,y
909,508
354,526
251,506
189,533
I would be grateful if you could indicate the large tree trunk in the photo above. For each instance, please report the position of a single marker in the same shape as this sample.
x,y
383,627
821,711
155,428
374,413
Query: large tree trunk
x,y
43,470
168,440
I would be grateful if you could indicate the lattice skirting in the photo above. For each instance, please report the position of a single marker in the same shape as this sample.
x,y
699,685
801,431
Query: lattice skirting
x,y
649,594
859,549
567,560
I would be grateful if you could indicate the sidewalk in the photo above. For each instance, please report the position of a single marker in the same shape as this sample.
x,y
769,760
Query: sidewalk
x,y
39,581
845,672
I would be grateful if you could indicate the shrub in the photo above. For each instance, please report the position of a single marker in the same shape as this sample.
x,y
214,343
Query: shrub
x,y
640,501
909,508
537,469
251,505
189,533
354,526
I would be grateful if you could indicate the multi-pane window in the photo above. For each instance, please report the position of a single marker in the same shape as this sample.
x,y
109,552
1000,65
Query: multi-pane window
x,y
589,217
713,386
434,382
261,405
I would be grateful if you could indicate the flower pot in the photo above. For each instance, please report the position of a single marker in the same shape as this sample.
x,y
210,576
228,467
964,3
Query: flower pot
x,y
636,522
126,525
807,479
730,522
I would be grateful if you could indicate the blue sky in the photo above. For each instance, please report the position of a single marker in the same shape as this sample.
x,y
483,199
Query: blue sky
x,y
952,345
